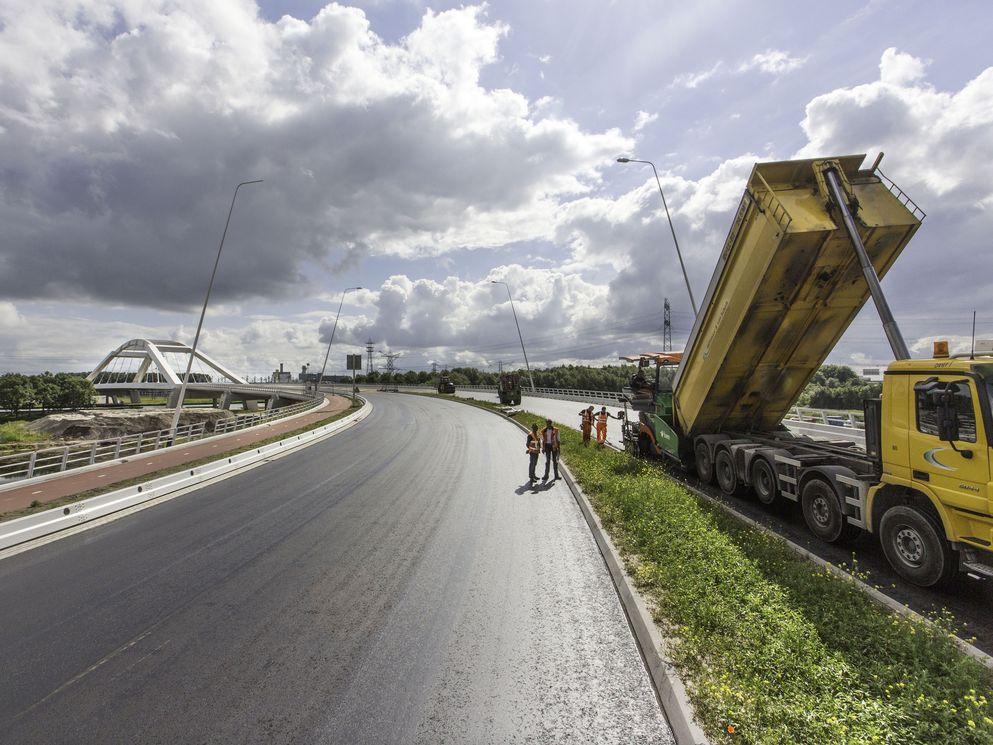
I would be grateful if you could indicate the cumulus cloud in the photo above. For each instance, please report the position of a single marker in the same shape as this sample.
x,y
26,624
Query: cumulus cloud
x,y
938,137
125,126
9,317
642,119
455,320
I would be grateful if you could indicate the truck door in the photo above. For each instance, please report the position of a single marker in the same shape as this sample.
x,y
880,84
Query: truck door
x,y
957,471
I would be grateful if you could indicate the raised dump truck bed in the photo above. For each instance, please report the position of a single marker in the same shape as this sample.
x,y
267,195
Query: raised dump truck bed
x,y
786,287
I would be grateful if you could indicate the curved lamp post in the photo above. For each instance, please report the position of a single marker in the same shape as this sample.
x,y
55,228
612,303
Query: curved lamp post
x,y
672,229
203,311
320,378
520,336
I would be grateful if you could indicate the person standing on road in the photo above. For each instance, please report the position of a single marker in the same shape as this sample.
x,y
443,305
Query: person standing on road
x,y
586,424
533,451
550,443
601,424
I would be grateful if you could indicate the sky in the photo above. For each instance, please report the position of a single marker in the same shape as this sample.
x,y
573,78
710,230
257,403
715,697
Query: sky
x,y
423,151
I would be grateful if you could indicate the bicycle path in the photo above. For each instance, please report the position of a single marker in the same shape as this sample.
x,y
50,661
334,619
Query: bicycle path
x,y
76,482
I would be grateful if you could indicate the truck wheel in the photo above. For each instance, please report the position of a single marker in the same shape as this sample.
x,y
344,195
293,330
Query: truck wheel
x,y
764,482
823,514
644,446
727,479
704,466
915,547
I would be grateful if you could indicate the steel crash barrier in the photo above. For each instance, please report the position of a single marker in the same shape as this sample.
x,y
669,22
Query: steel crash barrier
x,y
568,394
815,422
47,461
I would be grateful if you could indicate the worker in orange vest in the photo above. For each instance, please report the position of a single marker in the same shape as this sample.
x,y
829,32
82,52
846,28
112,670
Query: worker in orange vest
x,y
533,451
550,443
601,424
586,424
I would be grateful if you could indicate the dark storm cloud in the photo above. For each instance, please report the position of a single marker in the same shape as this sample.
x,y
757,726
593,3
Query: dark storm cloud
x,y
124,138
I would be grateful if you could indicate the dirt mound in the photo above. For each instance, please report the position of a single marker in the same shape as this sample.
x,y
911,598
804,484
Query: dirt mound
x,y
106,425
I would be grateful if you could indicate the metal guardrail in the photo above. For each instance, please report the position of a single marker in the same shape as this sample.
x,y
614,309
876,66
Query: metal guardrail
x,y
245,422
54,460
570,394
47,461
830,417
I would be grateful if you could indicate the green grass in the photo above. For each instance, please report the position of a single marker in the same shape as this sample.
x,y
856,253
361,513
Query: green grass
x,y
37,506
15,432
768,643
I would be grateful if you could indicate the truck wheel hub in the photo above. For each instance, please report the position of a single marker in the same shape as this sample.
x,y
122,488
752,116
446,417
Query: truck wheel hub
x,y
909,545
822,513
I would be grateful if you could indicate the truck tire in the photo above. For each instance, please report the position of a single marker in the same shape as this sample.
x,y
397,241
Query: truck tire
x,y
645,446
765,483
704,465
916,547
727,477
823,513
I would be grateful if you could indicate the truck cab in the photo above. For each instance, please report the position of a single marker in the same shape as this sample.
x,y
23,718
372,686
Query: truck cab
x,y
932,439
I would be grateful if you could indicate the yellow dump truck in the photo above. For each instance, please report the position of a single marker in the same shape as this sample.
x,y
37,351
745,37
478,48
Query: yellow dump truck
x,y
807,246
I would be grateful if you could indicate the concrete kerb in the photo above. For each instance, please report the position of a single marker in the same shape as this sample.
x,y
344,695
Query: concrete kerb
x,y
669,687
19,483
21,532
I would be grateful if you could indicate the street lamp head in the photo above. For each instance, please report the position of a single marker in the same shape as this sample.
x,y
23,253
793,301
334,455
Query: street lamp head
x,y
623,160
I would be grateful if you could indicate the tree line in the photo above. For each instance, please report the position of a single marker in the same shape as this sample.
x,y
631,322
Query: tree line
x,y
832,387
608,378
838,387
46,391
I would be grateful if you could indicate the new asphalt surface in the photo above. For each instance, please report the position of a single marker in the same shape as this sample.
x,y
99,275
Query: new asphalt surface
x,y
398,583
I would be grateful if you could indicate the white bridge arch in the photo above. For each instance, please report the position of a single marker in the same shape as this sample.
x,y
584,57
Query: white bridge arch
x,y
153,363
159,365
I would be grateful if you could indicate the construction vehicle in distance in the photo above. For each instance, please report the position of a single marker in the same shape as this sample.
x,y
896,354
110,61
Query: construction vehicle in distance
x,y
445,384
509,389
806,248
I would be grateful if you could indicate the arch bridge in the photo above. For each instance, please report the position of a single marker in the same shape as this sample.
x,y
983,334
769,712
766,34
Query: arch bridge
x,y
158,366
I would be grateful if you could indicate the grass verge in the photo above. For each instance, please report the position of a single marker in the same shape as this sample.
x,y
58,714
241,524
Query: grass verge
x,y
15,433
39,506
771,647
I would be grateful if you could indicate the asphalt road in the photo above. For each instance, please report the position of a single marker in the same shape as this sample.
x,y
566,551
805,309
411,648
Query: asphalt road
x,y
969,599
394,584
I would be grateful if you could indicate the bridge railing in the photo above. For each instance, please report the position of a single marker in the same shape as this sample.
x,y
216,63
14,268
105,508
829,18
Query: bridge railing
x,y
47,461
829,417
568,394
26,465
264,417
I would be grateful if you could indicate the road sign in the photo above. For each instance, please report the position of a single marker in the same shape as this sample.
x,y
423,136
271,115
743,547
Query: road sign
x,y
354,362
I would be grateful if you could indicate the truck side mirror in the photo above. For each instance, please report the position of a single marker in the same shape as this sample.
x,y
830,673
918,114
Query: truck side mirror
x,y
948,419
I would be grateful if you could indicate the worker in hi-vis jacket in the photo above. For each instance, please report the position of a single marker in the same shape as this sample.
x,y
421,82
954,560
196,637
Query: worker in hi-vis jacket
x,y
601,424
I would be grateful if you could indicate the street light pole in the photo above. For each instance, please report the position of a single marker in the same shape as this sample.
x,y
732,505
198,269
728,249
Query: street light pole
x,y
320,378
671,228
519,335
203,311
